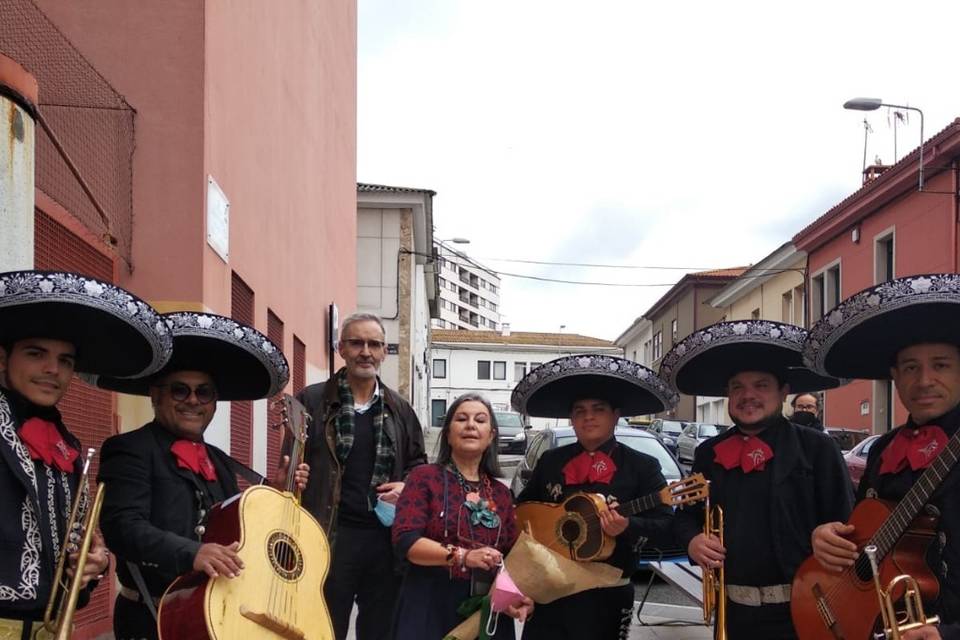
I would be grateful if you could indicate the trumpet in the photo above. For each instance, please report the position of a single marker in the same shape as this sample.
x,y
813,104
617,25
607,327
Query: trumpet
x,y
894,626
64,595
714,590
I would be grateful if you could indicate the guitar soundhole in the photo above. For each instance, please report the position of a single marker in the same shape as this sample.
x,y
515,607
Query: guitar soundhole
x,y
570,531
285,556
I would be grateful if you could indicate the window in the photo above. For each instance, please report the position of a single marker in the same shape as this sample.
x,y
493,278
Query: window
x,y
483,303
657,345
534,365
673,331
439,368
786,307
826,291
799,312
483,369
438,410
483,283
519,370
883,258
755,314
493,306
646,352
499,370
493,288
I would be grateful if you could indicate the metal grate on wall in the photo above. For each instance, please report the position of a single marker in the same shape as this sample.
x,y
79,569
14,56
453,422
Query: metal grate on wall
x,y
241,413
274,436
87,411
299,365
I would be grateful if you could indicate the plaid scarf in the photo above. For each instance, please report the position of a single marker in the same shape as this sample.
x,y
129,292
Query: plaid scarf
x,y
346,423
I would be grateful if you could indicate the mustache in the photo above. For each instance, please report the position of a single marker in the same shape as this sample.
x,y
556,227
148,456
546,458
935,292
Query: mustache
x,y
44,380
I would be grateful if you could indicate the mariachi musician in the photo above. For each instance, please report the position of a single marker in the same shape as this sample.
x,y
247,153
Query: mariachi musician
x,y
163,478
908,330
52,325
594,391
773,480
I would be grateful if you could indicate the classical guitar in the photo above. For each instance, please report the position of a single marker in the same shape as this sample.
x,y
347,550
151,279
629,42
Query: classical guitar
x,y
832,606
572,527
286,556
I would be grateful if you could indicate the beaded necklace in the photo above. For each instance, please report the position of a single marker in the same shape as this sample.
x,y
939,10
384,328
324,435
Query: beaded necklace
x,y
482,509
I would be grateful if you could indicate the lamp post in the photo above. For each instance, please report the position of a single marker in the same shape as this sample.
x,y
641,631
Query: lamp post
x,y
872,104
559,338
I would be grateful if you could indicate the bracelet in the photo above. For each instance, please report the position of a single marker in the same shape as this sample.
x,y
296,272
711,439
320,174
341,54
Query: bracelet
x,y
451,554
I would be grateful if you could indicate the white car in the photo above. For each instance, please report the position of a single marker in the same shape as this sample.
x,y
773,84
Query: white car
x,y
691,437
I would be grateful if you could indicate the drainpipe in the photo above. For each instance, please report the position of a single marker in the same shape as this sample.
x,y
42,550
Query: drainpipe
x,y
18,99
956,216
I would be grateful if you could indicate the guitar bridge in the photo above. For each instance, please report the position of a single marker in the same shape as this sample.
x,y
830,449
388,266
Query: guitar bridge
x,y
273,623
823,608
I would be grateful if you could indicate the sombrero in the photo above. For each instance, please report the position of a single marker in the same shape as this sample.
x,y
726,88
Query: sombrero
x,y
244,363
550,390
115,333
703,362
860,337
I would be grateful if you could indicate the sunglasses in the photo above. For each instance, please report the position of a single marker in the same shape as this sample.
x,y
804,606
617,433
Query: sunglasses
x,y
181,392
359,344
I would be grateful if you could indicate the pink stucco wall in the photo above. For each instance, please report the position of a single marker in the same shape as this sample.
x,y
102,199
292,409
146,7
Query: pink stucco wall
x,y
261,96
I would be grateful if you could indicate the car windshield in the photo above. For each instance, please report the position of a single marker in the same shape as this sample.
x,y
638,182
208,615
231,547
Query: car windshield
x,y
649,446
509,421
673,427
710,430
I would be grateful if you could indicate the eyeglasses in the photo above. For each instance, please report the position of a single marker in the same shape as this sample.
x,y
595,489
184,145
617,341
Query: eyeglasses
x,y
181,392
806,407
359,344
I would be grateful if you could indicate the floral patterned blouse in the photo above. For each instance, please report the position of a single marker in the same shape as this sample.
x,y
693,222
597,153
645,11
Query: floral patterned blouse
x,y
433,505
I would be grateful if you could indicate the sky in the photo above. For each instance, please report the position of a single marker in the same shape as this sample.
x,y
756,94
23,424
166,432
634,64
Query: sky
x,y
659,138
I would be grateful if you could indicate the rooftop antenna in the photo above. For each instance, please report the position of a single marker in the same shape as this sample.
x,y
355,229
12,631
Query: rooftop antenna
x,y
898,117
867,130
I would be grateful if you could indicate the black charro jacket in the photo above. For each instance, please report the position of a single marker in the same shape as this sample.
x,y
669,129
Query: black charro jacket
x,y
27,556
322,400
810,486
151,506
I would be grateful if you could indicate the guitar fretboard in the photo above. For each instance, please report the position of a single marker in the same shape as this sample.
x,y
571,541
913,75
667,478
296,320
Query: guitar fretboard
x,y
640,505
897,523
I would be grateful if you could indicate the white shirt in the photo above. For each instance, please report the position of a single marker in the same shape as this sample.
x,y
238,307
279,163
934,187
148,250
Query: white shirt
x,y
363,408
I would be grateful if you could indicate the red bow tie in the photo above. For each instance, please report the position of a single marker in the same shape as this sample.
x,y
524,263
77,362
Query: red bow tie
x,y
916,447
193,456
44,442
589,467
750,453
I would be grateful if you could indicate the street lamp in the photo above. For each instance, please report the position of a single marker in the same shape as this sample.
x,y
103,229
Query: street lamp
x,y
872,104
456,240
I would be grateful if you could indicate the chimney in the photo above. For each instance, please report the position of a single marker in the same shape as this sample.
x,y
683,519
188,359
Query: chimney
x,y
505,329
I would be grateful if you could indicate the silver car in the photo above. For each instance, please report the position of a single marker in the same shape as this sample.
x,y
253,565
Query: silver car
x,y
691,437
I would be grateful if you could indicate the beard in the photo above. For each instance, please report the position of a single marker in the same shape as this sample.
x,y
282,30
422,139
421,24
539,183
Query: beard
x,y
760,424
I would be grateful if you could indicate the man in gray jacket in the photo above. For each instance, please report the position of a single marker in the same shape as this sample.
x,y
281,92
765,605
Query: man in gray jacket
x,y
362,441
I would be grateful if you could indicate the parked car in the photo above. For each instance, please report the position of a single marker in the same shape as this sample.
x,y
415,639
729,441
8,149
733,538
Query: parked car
x,y
667,431
847,439
856,459
512,434
691,437
560,436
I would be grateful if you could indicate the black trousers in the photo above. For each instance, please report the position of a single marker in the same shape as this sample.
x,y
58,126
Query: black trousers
x,y
133,621
362,571
769,621
597,614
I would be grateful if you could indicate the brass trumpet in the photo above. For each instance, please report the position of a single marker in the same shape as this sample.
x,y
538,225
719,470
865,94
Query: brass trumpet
x,y
64,595
714,589
894,626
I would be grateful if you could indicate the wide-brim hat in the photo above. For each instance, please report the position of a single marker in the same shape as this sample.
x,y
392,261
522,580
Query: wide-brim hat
x,y
703,362
860,337
244,363
550,390
114,332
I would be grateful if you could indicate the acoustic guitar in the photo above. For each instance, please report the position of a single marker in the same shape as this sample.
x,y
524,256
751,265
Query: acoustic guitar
x,y
827,605
286,556
572,527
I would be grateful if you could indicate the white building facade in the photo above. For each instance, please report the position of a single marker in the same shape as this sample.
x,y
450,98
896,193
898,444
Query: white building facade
x,y
469,292
492,363
397,280
637,342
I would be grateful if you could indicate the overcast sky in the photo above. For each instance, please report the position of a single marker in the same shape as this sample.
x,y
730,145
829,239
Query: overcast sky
x,y
669,134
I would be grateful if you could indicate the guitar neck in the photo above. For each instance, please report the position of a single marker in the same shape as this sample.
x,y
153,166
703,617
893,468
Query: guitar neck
x,y
639,505
910,505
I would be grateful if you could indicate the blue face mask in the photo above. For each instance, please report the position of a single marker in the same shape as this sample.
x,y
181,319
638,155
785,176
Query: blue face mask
x,y
385,512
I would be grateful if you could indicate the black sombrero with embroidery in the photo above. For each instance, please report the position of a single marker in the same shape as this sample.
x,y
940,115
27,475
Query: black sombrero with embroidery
x,y
114,332
703,362
861,337
550,390
244,363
